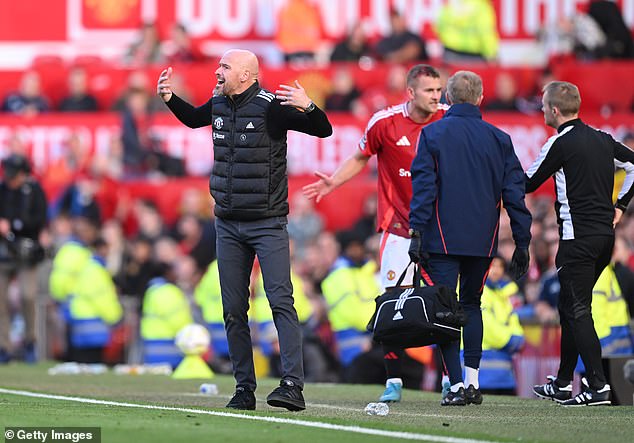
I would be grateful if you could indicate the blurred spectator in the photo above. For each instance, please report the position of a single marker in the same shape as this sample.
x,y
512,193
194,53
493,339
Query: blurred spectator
x,y
166,311
79,199
62,171
392,93
150,222
505,94
112,234
503,335
179,47
298,30
28,100
195,241
135,132
94,309
401,45
349,290
344,92
468,31
143,152
147,47
22,219
138,81
353,47
304,223
365,226
624,275
532,104
619,42
138,268
578,36
78,98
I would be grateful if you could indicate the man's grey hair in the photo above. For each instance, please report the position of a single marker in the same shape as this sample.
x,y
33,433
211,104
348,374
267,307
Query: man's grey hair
x,y
464,87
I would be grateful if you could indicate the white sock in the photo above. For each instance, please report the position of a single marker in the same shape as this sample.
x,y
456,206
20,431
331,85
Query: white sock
x,y
445,380
456,387
472,377
396,381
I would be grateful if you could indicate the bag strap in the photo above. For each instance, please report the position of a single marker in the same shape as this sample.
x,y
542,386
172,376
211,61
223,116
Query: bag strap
x,y
415,281
419,272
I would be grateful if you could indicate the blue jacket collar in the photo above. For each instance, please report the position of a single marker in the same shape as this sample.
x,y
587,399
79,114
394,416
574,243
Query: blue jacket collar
x,y
464,110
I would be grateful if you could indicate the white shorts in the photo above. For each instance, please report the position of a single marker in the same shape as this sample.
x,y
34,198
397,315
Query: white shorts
x,y
394,259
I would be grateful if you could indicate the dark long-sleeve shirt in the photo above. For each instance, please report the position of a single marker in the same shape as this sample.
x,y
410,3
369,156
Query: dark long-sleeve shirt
x,y
582,161
280,118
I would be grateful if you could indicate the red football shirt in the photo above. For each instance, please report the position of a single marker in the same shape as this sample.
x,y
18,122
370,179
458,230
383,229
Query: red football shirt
x,y
393,136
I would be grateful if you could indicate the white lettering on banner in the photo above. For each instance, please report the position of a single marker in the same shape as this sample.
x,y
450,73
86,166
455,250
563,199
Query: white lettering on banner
x,y
256,19
45,140
508,17
197,25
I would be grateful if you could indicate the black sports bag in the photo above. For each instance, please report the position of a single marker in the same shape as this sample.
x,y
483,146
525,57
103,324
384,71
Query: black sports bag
x,y
416,316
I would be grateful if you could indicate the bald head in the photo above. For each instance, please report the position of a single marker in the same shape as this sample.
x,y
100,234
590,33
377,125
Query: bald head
x,y
238,70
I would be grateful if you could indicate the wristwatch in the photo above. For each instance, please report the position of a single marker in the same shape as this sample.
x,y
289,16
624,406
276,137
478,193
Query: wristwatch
x,y
310,108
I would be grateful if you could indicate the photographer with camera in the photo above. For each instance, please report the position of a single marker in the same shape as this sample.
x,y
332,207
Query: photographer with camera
x,y
22,218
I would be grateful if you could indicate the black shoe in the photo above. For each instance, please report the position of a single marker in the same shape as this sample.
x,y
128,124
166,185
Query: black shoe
x,y
288,395
243,399
454,398
473,395
551,391
590,397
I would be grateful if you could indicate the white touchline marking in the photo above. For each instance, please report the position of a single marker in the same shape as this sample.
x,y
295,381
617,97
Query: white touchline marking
x,y
290,421
339,408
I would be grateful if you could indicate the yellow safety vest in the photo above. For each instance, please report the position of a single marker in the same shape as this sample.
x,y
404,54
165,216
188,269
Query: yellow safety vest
x,y
498,319
95,295
469,26
208,296
609,308
165,312
350,294
67,266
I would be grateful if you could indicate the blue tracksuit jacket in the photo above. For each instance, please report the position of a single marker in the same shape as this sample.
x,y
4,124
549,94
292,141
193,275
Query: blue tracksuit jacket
x,y
464,170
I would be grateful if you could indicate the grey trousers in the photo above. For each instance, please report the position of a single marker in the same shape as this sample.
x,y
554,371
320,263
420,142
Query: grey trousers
x,y
237,244
28,284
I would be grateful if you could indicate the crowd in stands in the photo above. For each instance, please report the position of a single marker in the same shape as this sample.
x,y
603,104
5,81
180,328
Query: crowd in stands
x,y
333,272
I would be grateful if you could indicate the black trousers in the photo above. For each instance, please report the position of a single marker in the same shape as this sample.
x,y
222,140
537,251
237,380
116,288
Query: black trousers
x,y
237,244
579,264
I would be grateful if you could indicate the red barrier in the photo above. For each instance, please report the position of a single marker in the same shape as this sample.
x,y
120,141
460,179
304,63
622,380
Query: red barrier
x,y
43,139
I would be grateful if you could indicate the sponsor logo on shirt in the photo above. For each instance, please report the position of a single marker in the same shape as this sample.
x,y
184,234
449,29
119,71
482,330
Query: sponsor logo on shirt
x,y
404,173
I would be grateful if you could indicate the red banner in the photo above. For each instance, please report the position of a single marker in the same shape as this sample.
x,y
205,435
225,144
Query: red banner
x,y
43,138
254,20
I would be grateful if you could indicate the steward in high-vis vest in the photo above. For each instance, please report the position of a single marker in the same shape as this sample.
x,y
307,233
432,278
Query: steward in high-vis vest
x,y
610,315
94,309
266,332
165,311
350,292
208,297
502,336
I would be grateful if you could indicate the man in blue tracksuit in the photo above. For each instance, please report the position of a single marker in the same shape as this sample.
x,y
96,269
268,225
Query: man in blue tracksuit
x,y
463,172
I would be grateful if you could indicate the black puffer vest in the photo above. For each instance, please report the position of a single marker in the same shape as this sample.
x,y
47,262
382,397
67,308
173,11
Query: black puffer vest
x,y
248,179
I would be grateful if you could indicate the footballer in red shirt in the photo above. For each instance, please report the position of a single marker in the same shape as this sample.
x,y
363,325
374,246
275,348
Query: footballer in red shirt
x,y
391,135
